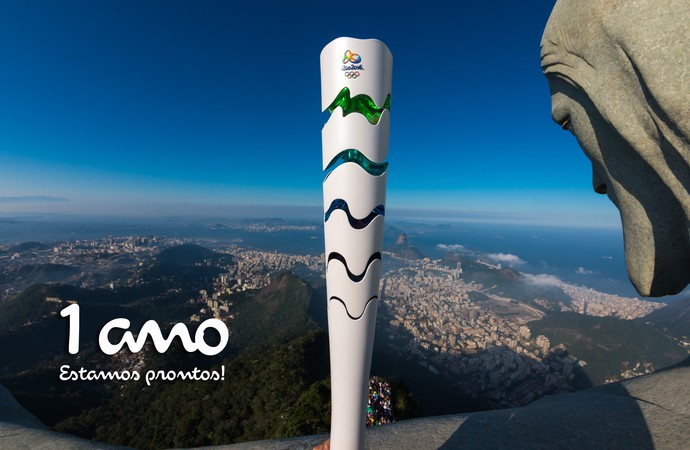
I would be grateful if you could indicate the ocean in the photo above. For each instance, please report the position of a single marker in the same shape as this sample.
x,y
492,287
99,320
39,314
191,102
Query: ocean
x,y
590,257
582,256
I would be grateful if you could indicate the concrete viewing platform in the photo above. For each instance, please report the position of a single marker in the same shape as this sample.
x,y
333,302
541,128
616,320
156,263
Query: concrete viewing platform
x,y
647,412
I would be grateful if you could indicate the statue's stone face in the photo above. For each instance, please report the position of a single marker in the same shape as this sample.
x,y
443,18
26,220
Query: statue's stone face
x,y
614,81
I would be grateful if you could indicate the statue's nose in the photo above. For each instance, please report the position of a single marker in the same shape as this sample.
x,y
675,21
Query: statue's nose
x,y
600,188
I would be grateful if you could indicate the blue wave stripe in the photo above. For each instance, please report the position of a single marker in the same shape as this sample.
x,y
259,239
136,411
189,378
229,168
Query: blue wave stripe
x,y
348,312
352,276
355,223
357,157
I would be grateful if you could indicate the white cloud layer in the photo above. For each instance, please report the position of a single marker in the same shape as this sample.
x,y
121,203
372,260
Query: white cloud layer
x,y
505,258
542,279
451,247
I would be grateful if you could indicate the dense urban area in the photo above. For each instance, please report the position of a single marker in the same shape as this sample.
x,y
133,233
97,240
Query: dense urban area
x,y
464,329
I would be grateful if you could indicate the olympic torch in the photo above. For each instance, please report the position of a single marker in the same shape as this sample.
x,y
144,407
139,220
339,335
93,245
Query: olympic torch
x,y
355,89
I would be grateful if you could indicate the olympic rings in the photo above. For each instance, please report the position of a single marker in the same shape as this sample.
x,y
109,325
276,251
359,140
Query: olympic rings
x,y
351,74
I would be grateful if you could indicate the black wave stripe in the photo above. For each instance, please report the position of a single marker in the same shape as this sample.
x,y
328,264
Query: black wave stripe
x,y
348,312
355,223
353,277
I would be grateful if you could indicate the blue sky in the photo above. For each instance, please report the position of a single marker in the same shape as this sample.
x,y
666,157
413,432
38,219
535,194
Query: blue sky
x,y
167,107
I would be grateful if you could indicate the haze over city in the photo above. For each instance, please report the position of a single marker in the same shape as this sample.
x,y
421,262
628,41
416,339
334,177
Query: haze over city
x,y
175,108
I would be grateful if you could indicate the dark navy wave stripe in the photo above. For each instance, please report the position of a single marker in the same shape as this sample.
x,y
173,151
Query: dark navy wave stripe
x,y
348,312
355,223
353,277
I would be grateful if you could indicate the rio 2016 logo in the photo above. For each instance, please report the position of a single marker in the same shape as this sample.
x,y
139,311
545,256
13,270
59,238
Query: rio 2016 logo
x,y
352,71
350,57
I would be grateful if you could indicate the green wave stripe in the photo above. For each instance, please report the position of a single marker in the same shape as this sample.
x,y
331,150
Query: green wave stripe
x,y
360,103
355,156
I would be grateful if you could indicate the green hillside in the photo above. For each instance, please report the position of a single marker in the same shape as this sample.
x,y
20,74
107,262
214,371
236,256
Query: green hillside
x,y
605,343
46,273
28,305
674,317
260,398
277,313
28,247
24,346
275,371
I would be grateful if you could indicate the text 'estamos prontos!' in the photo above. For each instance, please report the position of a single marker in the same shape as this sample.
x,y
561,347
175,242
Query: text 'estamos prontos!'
x,y
83,374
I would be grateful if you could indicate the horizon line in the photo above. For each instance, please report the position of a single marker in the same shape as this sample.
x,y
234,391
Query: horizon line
x,y
315,214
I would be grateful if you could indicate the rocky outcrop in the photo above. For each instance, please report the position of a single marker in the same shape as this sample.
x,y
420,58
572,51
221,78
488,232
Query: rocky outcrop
x,y
21,430
404,249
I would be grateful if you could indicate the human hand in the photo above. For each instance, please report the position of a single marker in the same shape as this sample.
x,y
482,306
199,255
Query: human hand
x,y
325,445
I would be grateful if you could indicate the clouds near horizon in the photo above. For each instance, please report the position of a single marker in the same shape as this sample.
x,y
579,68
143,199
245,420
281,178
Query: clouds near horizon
x,y
506,258
451,247
542,279
582,271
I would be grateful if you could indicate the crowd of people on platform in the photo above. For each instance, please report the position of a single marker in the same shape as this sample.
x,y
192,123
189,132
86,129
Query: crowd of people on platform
x,y
379,405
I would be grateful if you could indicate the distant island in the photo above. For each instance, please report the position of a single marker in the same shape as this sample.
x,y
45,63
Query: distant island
x,y
403,249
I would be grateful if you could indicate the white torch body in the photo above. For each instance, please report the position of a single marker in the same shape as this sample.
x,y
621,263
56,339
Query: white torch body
x,y
355,88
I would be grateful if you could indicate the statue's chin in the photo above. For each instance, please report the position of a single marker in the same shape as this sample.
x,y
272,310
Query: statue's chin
x,y
657,255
